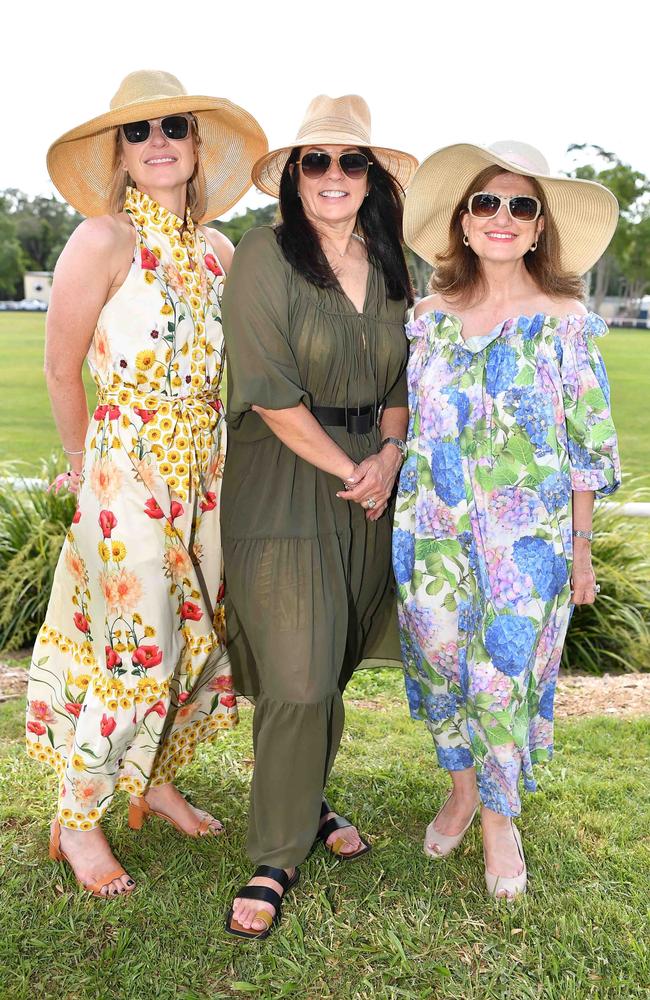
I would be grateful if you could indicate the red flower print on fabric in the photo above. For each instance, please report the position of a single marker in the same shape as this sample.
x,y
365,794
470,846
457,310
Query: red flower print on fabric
x,y
211,264
191,611
157,709
152,508
73,707
145,415
113,659
37,728
81,622
147,656
107,521
210,502
175,510
76,517
107,725
104,409
148,260
228,700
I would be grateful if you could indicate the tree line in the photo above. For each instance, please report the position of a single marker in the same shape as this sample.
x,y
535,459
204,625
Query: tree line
x,y
33,231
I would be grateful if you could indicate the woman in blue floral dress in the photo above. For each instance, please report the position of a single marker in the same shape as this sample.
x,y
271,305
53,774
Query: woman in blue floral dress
x,y
510,439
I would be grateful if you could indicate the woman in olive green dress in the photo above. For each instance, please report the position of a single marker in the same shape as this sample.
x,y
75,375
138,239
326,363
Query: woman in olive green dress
x,y
313,322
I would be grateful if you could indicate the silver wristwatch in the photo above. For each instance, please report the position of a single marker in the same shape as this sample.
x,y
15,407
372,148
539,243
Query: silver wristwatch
x,y
398,444
589,535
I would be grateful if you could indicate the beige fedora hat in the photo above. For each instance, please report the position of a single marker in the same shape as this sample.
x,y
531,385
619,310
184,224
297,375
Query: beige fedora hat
x,y
81,162
333,121
584,212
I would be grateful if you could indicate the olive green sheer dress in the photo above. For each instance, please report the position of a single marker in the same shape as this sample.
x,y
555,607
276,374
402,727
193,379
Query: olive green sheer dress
x,y
309,589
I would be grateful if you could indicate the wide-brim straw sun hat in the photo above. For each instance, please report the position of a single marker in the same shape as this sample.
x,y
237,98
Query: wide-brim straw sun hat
x,y
333,121
585,213
81,162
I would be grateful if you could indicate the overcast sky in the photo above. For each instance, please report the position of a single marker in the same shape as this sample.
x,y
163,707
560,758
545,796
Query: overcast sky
x,y
433,73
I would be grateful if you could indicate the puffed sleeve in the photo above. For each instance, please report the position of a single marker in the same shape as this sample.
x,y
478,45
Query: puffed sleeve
x,y
261,367
592,442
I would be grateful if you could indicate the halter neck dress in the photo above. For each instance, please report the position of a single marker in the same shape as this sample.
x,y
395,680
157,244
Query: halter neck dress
x,y
129,670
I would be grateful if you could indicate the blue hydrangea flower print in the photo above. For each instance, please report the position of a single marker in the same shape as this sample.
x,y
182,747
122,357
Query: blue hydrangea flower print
x,y
403,555
533,413
510,640
447,472
469,617
461,401
531,326
409,475
555,491
413,693
501,430
441,706
537,558
546,703
454,758
501,369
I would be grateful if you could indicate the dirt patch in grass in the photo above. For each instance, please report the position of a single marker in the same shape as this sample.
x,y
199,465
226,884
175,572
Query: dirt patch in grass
x,y
613,694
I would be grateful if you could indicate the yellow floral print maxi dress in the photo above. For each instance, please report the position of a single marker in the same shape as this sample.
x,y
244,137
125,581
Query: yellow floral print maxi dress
x,y
130,670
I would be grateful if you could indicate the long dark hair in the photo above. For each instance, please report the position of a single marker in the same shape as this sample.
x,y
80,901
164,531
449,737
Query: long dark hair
x,y
379,221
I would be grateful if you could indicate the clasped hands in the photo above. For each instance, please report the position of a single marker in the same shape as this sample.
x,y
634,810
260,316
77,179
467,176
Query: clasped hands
x,y
373,480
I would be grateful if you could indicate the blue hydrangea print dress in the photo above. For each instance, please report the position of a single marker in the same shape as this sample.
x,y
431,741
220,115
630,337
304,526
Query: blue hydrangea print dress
x,y
502,428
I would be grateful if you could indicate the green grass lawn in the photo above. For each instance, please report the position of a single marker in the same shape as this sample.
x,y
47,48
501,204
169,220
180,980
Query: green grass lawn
x,y
395,925
27,429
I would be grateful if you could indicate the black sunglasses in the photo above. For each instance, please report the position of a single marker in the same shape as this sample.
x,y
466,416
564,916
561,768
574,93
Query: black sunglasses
x,y
522,207
172,127
316,164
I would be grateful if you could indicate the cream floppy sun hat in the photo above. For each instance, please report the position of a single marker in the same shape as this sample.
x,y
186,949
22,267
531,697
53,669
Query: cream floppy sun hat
x,y
81,162
333,121
585,213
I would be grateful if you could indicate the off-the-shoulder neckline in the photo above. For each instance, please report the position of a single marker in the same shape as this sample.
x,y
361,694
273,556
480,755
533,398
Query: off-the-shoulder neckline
x,y
440,313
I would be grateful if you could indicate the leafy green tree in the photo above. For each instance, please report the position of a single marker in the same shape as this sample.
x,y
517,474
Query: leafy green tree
x,y
630,187
12,263
43,227
235,228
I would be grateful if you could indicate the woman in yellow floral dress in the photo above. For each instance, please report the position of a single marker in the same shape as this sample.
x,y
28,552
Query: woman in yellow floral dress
x,y
130,669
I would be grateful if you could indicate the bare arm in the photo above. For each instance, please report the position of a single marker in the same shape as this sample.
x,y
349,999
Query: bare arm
x,y
82,282
221,245
375,476
583,580
301,432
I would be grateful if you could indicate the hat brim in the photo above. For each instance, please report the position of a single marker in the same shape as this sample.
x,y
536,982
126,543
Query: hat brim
x,y
267,172
585,213
81,162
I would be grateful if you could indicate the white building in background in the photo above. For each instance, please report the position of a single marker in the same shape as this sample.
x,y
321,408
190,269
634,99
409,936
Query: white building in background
x,y
38,285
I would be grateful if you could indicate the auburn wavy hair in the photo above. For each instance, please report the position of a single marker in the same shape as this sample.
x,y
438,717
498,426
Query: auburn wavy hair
x,y
459,276
197,197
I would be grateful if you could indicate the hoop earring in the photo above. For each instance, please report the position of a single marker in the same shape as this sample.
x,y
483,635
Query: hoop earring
x,y
465,240
533,247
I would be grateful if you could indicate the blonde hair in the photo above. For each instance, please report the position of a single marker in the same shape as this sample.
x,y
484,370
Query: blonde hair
x,y
197,194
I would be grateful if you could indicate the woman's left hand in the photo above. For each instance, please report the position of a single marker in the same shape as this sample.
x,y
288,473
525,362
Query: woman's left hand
x,y
583,578
374,479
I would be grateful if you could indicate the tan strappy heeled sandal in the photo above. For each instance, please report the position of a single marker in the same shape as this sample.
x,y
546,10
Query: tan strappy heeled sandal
x,y
139,810
94,888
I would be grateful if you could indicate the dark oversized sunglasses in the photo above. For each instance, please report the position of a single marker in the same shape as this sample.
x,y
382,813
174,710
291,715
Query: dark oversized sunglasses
x,y
522,207
173,127
316,164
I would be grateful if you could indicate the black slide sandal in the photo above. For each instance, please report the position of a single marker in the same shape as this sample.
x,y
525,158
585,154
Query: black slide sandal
x,y
339,823
265,894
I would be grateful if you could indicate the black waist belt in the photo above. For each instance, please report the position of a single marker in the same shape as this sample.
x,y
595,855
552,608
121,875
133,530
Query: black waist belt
x,y
357,421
